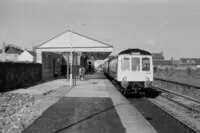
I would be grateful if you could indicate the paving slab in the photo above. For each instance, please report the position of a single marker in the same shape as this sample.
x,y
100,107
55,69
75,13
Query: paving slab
x,y
92,106
89,88
79,115
131,118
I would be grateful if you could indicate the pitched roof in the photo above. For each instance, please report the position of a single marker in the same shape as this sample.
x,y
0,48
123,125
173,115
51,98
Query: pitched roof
x,y
158,56
64,41
12,49
195,61
32,53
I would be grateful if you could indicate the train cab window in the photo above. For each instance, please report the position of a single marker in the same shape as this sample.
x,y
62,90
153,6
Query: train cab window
x,y
135,64
125,64
145,64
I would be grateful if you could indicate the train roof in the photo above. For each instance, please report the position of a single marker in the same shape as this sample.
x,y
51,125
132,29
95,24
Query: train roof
x,y
132,51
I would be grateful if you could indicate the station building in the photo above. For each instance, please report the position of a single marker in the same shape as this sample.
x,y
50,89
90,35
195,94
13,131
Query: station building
x,y
55,54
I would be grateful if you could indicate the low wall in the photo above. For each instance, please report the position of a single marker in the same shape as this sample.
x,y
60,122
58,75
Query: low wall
x,y
16,75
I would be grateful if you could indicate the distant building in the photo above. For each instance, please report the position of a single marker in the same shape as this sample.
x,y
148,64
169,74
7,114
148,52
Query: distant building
x,y
27,56
176,63
157,56
162,62
190,62
158,60
10,53
87,51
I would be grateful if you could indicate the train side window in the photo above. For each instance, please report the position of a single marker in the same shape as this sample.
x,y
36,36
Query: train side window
x,y
145,64
135,64
125,64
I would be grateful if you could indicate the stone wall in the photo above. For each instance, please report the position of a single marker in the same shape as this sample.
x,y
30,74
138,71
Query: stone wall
x,y
16,75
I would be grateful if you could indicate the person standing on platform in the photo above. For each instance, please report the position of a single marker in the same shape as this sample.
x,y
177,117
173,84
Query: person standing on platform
x,y
82,72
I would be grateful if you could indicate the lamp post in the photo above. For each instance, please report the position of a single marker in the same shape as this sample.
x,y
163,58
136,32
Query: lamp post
x,y
71,53
71,58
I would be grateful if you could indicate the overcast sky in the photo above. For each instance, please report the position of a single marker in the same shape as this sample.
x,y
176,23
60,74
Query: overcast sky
x,y
171,26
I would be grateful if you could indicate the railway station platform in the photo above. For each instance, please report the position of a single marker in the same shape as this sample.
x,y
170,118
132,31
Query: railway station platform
x,y
94,105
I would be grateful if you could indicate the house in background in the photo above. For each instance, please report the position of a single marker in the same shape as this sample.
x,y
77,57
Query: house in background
x,y
158,56
190,62
159,60
27,56
162,63
10,52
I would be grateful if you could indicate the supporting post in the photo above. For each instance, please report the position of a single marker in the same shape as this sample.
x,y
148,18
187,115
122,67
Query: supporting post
x,y
67,54
74,70
71,65
71,59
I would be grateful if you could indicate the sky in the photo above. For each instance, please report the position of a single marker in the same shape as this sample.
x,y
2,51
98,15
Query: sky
x,y
171,26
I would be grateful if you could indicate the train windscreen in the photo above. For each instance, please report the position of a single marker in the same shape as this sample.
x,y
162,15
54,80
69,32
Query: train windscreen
x,y
125,64
135,64
145,64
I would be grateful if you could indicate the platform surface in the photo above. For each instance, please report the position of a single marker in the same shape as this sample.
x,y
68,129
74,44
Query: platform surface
x,y
92,106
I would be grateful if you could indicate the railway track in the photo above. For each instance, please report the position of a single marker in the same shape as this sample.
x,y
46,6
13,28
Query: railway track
x,y
156,113
174,93
187,127
195,103
162,120
182,104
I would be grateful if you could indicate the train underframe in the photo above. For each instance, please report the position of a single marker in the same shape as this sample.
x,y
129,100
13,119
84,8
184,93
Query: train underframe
x,y
127,88
133,88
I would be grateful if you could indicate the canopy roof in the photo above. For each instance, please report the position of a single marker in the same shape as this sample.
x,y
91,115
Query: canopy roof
x,y
78,42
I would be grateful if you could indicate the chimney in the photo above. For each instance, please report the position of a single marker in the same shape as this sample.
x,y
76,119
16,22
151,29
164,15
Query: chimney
x,y
3,48
34,48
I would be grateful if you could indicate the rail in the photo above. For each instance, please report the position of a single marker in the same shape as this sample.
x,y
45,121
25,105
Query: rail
x,y
187,127
172,92
179,103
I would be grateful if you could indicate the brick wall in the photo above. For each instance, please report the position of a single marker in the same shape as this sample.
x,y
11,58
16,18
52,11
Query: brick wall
x,y
16,75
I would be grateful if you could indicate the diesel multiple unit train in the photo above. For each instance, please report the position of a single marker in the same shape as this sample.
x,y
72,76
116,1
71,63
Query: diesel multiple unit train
x,y
132,69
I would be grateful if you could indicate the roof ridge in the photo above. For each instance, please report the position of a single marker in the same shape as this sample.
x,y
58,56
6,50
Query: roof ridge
x,y
92,39
74,33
